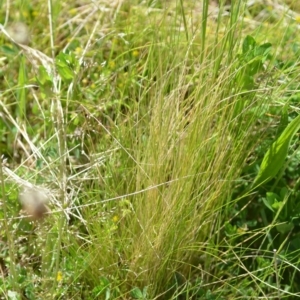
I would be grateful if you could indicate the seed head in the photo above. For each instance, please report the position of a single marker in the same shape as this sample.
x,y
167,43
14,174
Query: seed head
x,y
34,203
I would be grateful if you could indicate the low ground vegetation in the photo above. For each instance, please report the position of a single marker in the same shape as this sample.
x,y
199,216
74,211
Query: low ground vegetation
x,y
149,150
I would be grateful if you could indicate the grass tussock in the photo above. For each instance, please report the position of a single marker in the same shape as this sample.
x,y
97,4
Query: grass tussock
x,y
136,119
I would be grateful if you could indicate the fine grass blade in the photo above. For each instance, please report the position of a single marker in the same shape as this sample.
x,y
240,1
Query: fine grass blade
x,y
276,155
21,95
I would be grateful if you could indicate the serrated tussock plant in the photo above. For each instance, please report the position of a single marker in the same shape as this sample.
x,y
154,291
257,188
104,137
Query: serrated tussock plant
x,y
189,135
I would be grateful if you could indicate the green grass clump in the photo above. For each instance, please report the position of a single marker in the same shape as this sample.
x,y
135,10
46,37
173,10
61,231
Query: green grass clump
x,y
145,123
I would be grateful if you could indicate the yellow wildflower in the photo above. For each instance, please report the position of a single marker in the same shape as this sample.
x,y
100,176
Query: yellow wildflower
x,y
135,53
73,11
112,64
115,218
59,276
78,50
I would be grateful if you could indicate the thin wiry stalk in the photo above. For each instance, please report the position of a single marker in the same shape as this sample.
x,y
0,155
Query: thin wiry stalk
x,y
51,28
203,28
61,137
7,12
184,20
